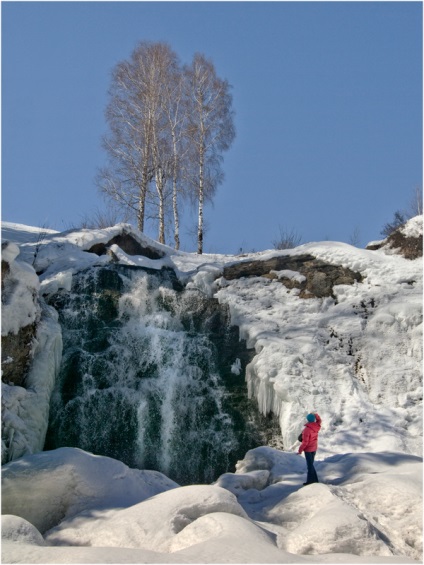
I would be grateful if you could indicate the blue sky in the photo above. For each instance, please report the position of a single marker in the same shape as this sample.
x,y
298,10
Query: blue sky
x,y
327,99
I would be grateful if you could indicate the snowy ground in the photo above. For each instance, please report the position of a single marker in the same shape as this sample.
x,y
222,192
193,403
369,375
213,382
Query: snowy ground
x,y
92,509
356,360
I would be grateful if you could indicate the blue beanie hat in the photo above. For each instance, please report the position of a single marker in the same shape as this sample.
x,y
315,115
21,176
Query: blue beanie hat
x,y
310,418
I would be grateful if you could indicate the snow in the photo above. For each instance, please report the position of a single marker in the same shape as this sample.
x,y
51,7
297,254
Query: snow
x,y
367,509
19,306
356,359
413,227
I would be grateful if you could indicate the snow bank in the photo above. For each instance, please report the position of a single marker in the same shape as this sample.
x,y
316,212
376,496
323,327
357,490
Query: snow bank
x,y
153,524
51,486
366,510
413,227
366,503
17,529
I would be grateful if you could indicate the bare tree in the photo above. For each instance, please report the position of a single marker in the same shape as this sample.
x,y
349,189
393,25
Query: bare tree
x,y
175,108
168,127
399,218
416,205
288,239
138,144
210,131
355,238
129,142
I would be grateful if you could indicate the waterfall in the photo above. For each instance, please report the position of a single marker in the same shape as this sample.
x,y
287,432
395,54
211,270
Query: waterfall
x,y
140,378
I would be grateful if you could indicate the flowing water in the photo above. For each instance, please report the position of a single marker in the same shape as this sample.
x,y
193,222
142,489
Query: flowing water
x,y
146,376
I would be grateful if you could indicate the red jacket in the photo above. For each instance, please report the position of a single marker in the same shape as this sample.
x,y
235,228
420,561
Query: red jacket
x,y
310,435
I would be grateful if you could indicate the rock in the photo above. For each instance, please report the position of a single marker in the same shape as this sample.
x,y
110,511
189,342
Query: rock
x,y
318,279
16,355
409,247
129,245
405,240
20,315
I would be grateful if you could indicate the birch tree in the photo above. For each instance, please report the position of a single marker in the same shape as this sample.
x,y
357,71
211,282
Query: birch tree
x,y
168,127
176,112
210,131
138,144
129,143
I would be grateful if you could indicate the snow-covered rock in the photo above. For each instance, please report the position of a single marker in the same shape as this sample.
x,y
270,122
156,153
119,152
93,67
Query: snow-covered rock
x,y
31,354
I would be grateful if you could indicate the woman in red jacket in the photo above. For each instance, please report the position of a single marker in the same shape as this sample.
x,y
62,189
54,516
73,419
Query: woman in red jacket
x,y
310,444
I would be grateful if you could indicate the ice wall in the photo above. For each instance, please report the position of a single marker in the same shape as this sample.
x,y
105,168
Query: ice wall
x,y
355,358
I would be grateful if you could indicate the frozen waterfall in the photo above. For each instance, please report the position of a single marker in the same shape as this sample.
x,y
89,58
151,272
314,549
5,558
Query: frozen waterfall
x,y
140,378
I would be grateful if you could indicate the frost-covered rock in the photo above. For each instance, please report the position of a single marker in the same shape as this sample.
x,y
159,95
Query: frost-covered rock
x,y
356,359
25,410
20,314
313,277
31,354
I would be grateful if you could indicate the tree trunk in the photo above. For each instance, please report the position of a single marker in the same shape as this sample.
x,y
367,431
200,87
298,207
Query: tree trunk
x,y
176,217
175,195
142,198
201,199
160,184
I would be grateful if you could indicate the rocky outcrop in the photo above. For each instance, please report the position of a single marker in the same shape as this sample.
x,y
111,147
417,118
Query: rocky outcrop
x,y
408,247
20,315
313,277
129,245
406,240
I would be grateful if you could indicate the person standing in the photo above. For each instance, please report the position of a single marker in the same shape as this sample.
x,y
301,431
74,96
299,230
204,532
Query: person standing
x,y
309,445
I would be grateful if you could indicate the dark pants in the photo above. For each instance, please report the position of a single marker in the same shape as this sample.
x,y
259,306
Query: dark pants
x,y
312,474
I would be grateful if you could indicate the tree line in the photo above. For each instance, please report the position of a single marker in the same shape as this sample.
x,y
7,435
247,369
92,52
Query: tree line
x,y
168,126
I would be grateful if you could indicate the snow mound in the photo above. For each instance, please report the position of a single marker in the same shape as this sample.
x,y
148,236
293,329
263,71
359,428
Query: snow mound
x,y
367,509
413,227
366,503
47,487
151,524
318,522
17,529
